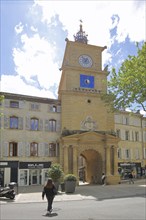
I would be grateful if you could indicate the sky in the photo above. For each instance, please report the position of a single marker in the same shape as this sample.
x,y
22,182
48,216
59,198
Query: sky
x,y
33,37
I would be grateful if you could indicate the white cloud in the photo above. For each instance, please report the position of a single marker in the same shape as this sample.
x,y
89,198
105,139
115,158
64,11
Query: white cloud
x,y
19,28
35,56
96,16
14,84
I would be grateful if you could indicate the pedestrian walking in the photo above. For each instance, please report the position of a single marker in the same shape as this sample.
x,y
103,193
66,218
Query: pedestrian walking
x,y
50,191
130,176
103,179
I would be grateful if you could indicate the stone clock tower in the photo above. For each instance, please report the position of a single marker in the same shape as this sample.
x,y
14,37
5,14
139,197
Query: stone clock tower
x,y
86,123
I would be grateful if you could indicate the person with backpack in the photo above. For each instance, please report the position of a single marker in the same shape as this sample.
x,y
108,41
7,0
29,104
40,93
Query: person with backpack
x,y
50,191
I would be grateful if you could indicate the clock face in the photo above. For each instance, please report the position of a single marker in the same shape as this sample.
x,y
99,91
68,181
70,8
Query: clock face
x,y
85,61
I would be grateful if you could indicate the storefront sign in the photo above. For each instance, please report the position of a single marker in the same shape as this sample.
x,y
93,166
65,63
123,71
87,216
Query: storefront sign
x,y
3,163
127,164
35,165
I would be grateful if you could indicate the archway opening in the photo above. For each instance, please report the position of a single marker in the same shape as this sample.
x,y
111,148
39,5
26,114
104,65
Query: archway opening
x,y
90,167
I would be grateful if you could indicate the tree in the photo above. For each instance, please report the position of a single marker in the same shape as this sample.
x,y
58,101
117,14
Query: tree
x,y
127,87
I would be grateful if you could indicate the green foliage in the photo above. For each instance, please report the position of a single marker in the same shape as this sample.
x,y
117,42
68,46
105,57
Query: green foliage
x,y
70,177
1,98
127,88
55,172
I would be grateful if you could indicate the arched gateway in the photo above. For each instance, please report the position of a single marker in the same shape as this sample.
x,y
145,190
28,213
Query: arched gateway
x,y
99,151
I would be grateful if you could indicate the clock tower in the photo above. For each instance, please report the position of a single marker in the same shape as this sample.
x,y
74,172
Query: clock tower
x,y
84,114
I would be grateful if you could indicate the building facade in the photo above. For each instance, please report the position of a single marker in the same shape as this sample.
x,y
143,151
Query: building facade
x,y
77,130
30,128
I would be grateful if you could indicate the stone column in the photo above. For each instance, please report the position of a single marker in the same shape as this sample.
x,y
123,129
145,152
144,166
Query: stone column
x,y
65,159
104,160
75,161
108,161
116,161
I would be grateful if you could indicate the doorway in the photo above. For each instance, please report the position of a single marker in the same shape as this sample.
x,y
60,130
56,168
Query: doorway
x,y
90,167
35,177
1,177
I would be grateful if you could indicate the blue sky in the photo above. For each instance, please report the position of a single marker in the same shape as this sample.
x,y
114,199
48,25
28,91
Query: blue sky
x,y
33,38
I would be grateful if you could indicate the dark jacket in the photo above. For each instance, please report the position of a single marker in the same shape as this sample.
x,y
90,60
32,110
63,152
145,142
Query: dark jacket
x,y
49,192
130,176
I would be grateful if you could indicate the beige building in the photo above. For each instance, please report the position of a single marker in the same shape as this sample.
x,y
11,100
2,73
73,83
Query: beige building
x,y
131,129
77,130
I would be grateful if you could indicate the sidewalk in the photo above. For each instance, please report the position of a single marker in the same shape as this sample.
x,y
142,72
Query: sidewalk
x,y
86,192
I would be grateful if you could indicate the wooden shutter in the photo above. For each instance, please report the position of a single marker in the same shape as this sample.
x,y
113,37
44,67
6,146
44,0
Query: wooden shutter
x,y
51,108
27,125
41,150
6,149
6,122
40,124
27,150
20,123
20,149
46,150
58,108
46,125
7,103
58,126
21,104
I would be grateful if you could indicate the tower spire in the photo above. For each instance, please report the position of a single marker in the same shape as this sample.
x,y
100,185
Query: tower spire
x,y
81,35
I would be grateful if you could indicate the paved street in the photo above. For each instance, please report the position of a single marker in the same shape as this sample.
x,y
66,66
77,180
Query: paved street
x,y
123,201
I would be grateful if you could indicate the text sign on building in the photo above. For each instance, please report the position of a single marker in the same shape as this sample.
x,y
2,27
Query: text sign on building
x,y
35,166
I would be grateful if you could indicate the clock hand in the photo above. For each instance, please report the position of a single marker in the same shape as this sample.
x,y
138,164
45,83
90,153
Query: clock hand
x,y
86,60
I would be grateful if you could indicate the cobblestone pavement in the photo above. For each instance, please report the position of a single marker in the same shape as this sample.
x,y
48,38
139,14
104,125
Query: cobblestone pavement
x,y
86,192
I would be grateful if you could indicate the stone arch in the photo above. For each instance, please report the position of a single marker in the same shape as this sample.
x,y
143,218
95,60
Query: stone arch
x,y
93,165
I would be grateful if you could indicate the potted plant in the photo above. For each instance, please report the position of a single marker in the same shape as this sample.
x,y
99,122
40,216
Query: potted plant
x,y
70,183
55,172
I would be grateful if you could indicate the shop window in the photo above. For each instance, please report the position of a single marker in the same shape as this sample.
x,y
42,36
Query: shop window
x,y
52,125
126,135
34,124
14,122
13,148
34,149
45,176
14,104
23,177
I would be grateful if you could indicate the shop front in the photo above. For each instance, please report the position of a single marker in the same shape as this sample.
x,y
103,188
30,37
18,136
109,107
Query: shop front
x,y
33,173
8,172
126,168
